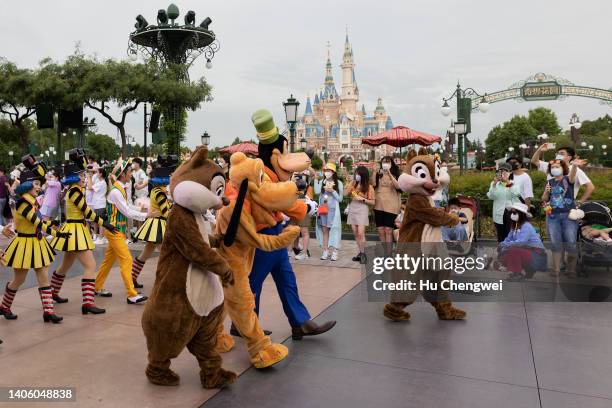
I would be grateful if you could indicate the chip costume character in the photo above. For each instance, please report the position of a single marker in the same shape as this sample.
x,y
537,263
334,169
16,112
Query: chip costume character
x,y
279,165
186,304
421,224
249,189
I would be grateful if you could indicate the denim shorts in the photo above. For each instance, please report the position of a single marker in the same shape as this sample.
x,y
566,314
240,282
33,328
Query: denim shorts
x,y
562,232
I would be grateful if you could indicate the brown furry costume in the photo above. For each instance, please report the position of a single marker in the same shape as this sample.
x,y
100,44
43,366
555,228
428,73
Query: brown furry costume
x,y
186,304
421,223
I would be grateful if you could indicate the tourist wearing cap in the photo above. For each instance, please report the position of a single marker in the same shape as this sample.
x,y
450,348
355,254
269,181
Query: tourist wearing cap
x,y
522,252
504,194
558,200
329,223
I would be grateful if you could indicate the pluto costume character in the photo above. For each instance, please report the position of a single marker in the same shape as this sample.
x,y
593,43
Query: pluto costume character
x,y
422,222
249,190
186,305
279,165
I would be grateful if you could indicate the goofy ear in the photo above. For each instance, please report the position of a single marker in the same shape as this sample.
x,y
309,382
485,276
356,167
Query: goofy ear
x,y
199,157
232,228
423,151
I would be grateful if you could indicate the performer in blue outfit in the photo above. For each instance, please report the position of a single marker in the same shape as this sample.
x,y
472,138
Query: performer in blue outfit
x,y
279,166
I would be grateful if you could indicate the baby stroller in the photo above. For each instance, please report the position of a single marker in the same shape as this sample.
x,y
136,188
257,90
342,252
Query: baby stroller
x,y
593,252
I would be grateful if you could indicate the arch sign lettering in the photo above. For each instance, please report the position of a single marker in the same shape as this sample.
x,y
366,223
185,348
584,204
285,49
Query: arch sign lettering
x,y
543,87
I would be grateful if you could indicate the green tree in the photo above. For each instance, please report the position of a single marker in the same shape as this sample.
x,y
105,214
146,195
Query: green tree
x,y
101,146
236,141
544,119
512,133
316,162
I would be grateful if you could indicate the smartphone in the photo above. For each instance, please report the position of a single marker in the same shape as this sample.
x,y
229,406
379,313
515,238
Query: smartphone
x,y
552,145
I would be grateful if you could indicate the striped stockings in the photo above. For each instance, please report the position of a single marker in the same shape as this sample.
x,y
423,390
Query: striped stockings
x,y
46,297
56,282
88,287
137,265
7,300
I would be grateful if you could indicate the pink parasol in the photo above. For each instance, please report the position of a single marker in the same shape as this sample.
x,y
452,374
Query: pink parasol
x,y
248,148
401,136
369,165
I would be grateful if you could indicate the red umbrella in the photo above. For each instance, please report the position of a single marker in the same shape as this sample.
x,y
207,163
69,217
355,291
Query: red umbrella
x,y
244,147
365,164
401,136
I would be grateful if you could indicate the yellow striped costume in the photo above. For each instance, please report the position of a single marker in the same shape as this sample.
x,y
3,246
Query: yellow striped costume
x,y
153,229
77,211
29,249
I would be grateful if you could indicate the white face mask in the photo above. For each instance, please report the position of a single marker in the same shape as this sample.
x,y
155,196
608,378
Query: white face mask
x,y
556,171
357,178
514,217
328,174
386,166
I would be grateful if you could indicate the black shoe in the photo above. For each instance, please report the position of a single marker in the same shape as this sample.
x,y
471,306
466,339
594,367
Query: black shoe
x,y
92,310
363,259
234,331
59,299
296,251
137,285
140,299
357,258
310,328
8,315
48,317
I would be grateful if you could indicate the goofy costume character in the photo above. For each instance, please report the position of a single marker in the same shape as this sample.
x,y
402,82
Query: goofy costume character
x,y
279,165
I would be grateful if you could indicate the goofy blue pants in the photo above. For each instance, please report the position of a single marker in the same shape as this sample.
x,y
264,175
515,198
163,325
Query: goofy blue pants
x,y
277,263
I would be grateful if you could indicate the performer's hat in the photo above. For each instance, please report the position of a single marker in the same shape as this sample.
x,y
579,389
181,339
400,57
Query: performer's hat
x,y
121,167
267,132
34,170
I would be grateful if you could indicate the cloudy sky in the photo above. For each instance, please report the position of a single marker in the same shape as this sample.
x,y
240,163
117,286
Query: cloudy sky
x,y
410,53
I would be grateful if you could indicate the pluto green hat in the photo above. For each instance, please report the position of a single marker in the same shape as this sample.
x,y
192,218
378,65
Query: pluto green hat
x,y
267,132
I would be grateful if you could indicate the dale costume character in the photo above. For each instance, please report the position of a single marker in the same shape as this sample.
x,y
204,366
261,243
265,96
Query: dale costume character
x,y
246,177
80,244
422,223
119,211
154,228
186,304
30,249
279,165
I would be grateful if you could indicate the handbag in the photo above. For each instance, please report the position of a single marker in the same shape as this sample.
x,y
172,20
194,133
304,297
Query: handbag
x,y
323,209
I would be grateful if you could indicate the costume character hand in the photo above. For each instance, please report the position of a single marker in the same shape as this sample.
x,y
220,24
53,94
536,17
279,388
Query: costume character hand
x,y
109,227
292,230
312,207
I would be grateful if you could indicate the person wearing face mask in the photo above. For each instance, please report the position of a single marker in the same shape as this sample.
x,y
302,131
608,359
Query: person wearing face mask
x,y
504,194
387,199
521,178
522,251
362,196
329,224
567,154
558,200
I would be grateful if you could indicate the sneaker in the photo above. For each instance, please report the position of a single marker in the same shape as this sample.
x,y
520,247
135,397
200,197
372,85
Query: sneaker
x,y
357,257
302,255
136,299
334,256
324,255
296,251
104,293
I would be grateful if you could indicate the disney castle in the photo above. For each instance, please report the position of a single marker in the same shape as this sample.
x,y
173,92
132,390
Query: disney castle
x,y
333,125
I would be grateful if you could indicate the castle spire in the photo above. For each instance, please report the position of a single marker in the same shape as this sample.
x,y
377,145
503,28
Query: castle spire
x,y
329,91
350,92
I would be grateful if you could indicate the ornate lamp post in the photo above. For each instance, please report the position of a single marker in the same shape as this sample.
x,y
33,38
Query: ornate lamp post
x,y
11,153
205,139
303,143
291,107
575,126
462,125
171,44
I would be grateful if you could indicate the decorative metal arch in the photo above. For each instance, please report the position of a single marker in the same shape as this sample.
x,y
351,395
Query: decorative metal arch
x,y
542,86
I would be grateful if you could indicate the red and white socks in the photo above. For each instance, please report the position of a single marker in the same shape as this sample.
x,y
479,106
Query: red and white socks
x,y
7,302
88,288
57,281
46,298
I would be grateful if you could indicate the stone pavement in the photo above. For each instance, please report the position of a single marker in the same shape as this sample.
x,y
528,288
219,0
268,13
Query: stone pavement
x,y
104,356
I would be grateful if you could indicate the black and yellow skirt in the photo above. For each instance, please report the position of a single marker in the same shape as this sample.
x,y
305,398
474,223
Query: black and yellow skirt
x,y
153,230
80,240
27,251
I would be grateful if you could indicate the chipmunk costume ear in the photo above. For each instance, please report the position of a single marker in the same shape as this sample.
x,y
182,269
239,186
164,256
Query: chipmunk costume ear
x,y
423,151
232,228
411,155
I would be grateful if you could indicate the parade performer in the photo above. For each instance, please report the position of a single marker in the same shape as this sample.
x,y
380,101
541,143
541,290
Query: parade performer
x,y
247,189
186,305
29,249
422,223
119,211
279,165
154,228
80,244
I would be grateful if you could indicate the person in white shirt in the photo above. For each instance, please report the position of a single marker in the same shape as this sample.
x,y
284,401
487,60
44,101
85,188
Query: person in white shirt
x,y
97,188
567,154
119,211
521,179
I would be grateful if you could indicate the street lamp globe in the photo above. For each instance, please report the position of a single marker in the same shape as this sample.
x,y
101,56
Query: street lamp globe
x,y
209,64
303,143
483,106
205,139
291,107
445,109
604,147
583,144
590,147
543,136
511,149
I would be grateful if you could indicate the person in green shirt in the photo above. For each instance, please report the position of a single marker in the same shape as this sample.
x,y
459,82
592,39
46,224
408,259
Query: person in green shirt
x,y
504,194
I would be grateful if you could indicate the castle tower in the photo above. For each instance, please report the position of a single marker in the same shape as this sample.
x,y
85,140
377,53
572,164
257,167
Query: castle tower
x,y
350,92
